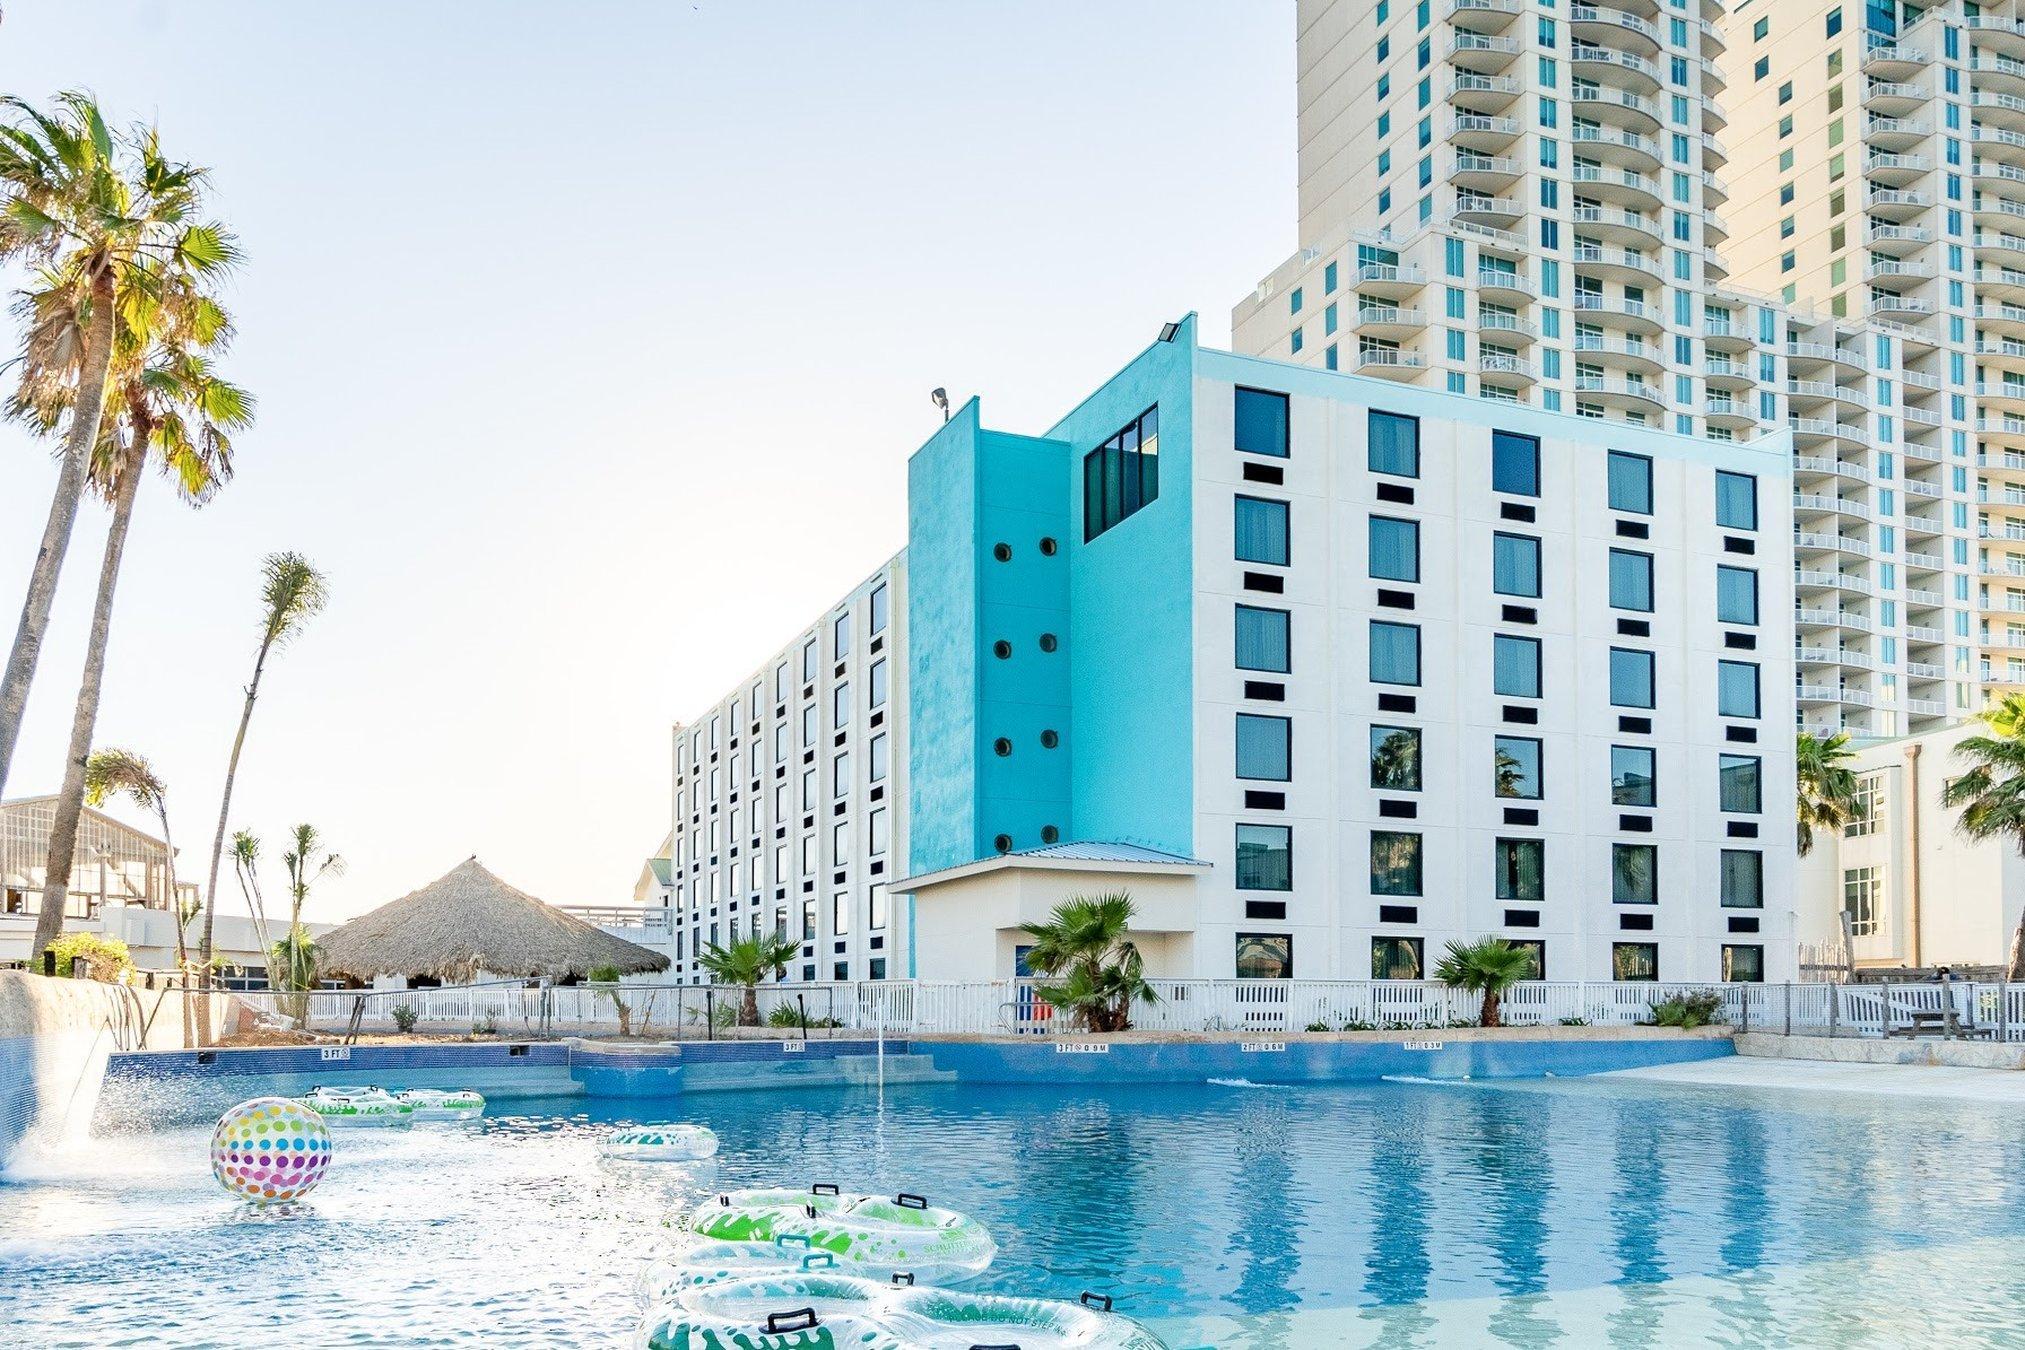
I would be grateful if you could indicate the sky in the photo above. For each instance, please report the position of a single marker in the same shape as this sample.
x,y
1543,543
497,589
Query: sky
x,y
591,341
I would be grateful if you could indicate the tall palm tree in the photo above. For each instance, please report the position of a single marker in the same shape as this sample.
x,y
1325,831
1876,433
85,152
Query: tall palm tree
x,y
1827,787
246,866
1992,798
104,220
173,408
1102,974
306,861
745,963
1489,966
113,773
291,592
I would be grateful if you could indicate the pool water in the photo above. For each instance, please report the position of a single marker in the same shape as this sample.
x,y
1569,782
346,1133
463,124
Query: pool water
x,y
1568,1212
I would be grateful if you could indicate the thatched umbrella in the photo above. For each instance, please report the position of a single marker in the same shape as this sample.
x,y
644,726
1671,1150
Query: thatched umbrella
x,y
469,921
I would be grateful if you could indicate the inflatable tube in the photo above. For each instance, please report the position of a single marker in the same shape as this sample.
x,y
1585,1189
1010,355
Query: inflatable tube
x,y
864,1232
661,1143
435,1104
357,1106
694,1261
793,1312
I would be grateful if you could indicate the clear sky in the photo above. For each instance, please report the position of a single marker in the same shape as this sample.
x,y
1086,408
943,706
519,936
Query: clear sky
x,y
591,341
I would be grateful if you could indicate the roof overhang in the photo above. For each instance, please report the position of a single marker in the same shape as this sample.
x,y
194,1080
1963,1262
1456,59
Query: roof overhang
x,y
1149,865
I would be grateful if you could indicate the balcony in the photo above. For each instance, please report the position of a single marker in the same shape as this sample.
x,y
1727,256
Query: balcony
x,y
1634,316
1832,618
1480,54
1897,205
1723,371
1897,241
1892,305
1833,656
1484,173
1817,579
1607,65
1892,64
1495,365
1506,327
1814,504
1483,16
1484,133
1896,134
1998,109
1497,285
1620,186
1624,395
1726,410
1996,33
1388,321
1637,269
1389,281
1894,99
2001,283
1643,357
2008,396
1614,106
1627,149
1988,70
1483,93
1896,171
1594,23
1722,334
1390,363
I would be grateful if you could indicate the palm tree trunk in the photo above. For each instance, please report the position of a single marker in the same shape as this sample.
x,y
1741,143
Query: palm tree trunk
x,y
190,1022
748,1007
2014,969
41,598
225,799
70,798
1492,1009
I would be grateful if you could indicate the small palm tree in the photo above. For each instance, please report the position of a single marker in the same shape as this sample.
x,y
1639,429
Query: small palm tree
x,y
306,861
1490,966
1102,974
745,963
1992,798
246,866
113,773
1827,787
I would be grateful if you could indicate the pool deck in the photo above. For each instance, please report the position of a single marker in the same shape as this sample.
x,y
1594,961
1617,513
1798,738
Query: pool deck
x,y
1928,1082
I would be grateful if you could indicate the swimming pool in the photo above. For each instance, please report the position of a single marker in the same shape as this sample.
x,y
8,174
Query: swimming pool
x,y
1596,1211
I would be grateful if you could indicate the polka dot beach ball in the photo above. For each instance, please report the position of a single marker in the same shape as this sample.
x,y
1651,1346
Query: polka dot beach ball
x,y
270,1149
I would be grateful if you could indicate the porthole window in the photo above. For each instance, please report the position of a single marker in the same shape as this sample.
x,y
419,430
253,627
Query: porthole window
x,y
1003,843
1050,739
1003,552
1001,649
1049,642
1001,747
1048,546
1049,834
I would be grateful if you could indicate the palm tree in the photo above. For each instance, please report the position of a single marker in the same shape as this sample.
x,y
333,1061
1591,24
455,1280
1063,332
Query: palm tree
x,y
1992,798
113,773
246,866
296,953
746,962
1102,974
103,220
291,592
1490,966
1827,795
170,403
2007,716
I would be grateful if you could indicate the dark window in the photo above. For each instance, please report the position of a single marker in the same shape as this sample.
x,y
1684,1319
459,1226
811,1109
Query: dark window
x,y
1736,595
1741,786
1736,689
1515,564
1260,528
1634,961
1395,549
1743,964
1536,949
1396,958
1395,863
1122,474
1630,580
1265,858
1265,956
1743,879
1395,759
1630,483
1634,874
1633,780
1736,501
1395,653
1517,767
1264,747
1522,870
1631,678
1395,444
1515,665
1263,639
1515,464
1261,422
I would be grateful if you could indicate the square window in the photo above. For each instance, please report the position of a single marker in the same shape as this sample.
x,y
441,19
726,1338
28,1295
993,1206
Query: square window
x,y
1743,879
1742,787
1630,483
1265,858
1634,874
1396,958
1395,863
1395,653
1259,527
1265,747
1395,549
1736,595
1630,580
1631,678
1265,956
1736,501
1515,565
1634,962
1516,767
1395,759
1743,963
1736,689
1263,639
1515,464
1394,444
1261,422
1633,780
1515,663
1522,870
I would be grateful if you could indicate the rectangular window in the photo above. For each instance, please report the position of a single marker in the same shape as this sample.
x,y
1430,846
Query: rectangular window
x,y
840,706
1516,763
876,912
878,624
1743,878
1515,565
875,759
840,775
1395,653
1395,549
878,834
1736,501
1630,580
1261,422
1736,689
1263,639
840,635
840,914
1631,678
1522,870
809,661
1265,858
1515,666
1122,474
1396,958
1395,759
1259,527
1862,893
1630,483
1395,863
1743,963
1634,961
1632,776
808,920
1394,444
1741,785
1736,595
1634,874
876,677
1515,464
1265,747
1265,956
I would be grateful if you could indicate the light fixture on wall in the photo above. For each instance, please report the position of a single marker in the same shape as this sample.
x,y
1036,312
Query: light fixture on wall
x,y
1168,331
940,398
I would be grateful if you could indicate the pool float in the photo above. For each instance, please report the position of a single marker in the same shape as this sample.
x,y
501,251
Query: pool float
x,y
358,1106
270,1149
435,1104
791,1312
905,1233
695,1261
661,1143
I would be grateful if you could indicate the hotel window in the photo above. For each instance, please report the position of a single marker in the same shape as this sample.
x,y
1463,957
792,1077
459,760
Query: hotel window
x,y
809,661
1865,807
1265,956
1395,653
1634,962
780,742
811,730
876,909
1395,549
1265,858
1394,444
840,634
840,914
1395,759
1535,949
808,789
1122,474
1261,422
1522,870
1631,678
1634,874
877,677
1396,958
1630,483
808,921
1263,639
878,624
1515,565
875,759
1861,892
1630,580
1395,863
840,843
1736,501
1736,595
878,835
1736,689
1743,963
1515,464
1259,527
1632,776
1743,879
840,774
1515,666
780,682
1265,747
1516,767
840,706
1740,784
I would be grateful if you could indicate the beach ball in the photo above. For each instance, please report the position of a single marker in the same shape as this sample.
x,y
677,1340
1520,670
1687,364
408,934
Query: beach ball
x,y
270,1149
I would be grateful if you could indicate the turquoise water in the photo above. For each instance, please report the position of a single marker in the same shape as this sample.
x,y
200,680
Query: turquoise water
x,y
1570,1212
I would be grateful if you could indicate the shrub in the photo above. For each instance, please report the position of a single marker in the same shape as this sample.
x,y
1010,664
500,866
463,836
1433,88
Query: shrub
x,y
1320,1024
1696,1008
104,958
404,1016
1359,1024
487,1025
1574,1021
